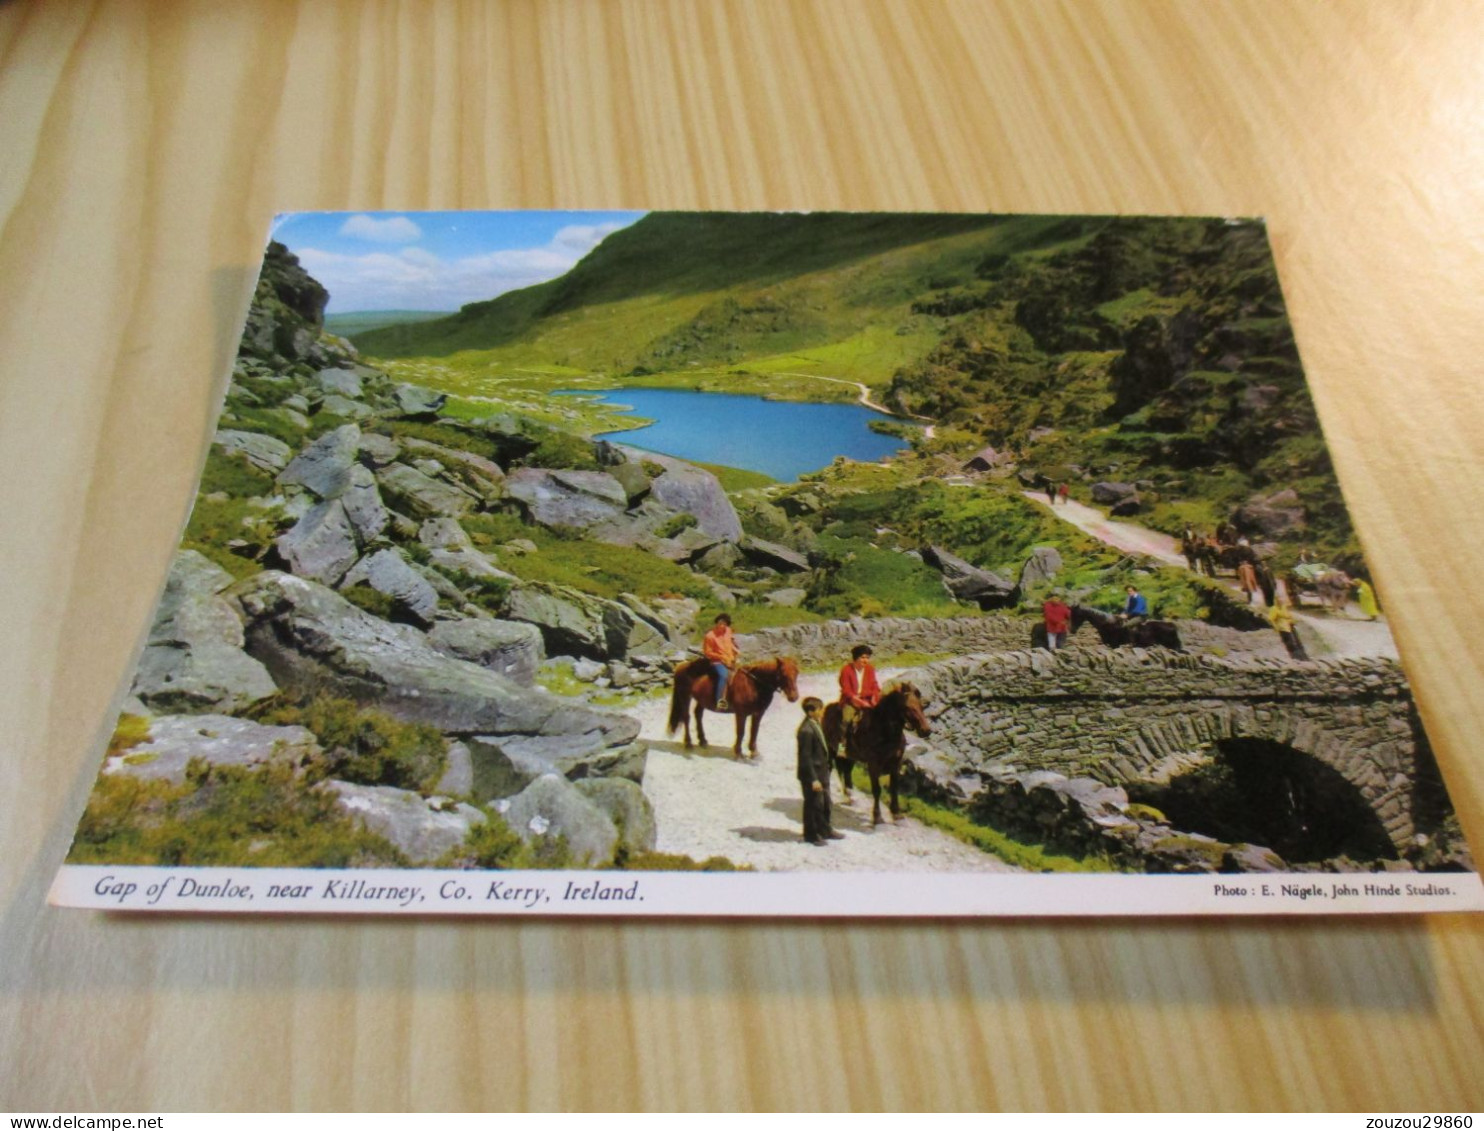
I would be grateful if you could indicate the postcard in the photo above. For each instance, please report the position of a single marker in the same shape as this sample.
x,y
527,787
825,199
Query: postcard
x,y
751,564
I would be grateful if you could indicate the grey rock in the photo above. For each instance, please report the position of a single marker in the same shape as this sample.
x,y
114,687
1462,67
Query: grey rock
x,y
684,487
193,660
336,405
1040,568
1252,858
577,624
321,545
573,500
1125,507
551,806
423,828
346,382
267,453
311,638
774,555
219,740
786,598
363,506
415,401
387,572
413,493
633,478
324,466
377,450
458,775
586,670
968,582
509,648
1272,515
720,558
474,473
503,765
1108,493
627,807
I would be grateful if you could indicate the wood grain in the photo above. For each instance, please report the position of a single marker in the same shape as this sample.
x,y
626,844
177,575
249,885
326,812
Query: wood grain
x,y
145,148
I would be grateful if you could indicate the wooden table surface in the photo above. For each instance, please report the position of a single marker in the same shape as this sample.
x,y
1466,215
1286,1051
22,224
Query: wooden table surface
x,y
143,148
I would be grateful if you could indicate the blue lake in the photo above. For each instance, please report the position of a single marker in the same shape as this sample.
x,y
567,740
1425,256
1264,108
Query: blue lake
x,y
783,439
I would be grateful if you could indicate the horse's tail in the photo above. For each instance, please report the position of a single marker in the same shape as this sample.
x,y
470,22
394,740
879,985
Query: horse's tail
x,y
679,702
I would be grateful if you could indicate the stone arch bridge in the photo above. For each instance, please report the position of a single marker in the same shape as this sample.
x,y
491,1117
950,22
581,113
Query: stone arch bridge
x,y
1136,717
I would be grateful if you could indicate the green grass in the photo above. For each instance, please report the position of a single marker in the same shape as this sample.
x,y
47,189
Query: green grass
x,y
361,744
361,321
223,816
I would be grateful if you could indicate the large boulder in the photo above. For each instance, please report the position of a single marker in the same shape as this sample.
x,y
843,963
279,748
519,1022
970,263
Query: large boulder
x,y
685,487
508,648
473,473
321,545
193,660
421,496
1040,568
1271,516
573,500
422,828
386,571
774,555
450,548
416,402
267,453
346,382
503,765
363,506
217,740
324,465
573,623
551,806
312,639
969,582
1108,494
627,807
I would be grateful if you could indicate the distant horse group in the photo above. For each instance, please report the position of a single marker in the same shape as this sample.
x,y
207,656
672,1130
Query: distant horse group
x,y
1116,632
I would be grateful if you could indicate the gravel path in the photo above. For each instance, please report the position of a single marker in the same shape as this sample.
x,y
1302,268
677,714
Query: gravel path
x,y
708,804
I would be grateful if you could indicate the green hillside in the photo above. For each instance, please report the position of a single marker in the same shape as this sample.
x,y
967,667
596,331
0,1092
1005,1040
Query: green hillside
x,y
360,321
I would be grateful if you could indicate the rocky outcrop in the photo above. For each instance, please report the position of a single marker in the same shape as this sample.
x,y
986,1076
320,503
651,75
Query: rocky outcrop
x,y
573,623
551,806
321,545
193,660
449,548
508,648
1040,568
773,555
217,740
571,500
968,582
423,829
1108,494
1271,516
683,487
418,403
312,639
421,496
627,807
323,467
386,571
266,453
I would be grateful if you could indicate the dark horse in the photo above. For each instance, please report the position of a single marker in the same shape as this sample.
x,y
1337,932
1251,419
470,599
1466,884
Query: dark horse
x,y
749,692
879,742
1118,633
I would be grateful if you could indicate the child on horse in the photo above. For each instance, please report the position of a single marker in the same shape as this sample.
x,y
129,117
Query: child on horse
x,y
859,690
720,647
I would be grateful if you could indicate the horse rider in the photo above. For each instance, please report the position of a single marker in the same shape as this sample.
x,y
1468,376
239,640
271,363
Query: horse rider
x,y
720,647
859,691
1135,607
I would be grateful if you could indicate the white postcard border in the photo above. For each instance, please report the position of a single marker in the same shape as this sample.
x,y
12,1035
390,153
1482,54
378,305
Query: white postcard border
x,y
854,895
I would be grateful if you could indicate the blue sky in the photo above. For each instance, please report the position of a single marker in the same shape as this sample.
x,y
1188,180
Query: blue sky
x,y
438,260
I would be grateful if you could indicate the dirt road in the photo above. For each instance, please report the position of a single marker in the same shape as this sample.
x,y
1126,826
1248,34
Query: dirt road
x,y
708,804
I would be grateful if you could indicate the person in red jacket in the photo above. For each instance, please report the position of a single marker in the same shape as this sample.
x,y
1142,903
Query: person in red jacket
x,y
1058,617
720,647
859,690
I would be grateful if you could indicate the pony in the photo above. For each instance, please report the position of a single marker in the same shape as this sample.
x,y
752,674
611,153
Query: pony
x,y
1117,633
879,742
749,693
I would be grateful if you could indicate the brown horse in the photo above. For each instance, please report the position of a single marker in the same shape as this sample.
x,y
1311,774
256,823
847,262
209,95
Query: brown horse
x,y
749,693
879,742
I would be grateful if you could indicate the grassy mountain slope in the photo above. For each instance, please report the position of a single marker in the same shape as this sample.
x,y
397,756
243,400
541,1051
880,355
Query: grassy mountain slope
x,y
361,321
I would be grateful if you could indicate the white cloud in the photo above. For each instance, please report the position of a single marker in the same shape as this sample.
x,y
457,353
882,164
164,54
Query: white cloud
x,y
413,278
394,229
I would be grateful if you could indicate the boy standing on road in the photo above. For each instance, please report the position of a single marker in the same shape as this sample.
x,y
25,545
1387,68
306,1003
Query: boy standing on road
x,y
814,776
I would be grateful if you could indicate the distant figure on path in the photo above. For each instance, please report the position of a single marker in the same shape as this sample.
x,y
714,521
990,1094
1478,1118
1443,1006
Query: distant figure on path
x,y
1062,492
1247,579
720,647
814,776
1058,617
1280,616
1366,596
1050,492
